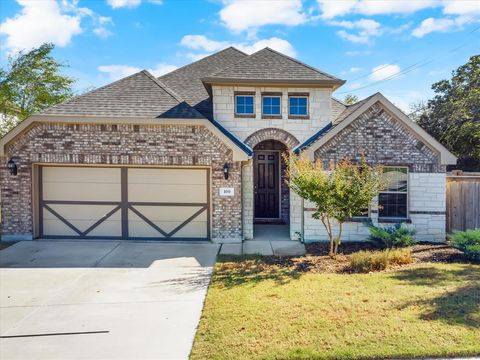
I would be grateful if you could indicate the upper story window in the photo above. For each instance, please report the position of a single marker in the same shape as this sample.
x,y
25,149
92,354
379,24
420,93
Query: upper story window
x,y
244,105
298,105
393,200
271,105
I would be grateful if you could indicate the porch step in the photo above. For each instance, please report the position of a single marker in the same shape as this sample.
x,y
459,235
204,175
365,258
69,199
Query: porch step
x,y
265,247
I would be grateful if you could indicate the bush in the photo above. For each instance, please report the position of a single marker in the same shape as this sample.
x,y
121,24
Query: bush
x,y
398,235
367,261
468,242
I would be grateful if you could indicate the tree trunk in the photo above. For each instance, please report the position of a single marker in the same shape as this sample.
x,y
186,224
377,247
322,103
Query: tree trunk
x,y
337,241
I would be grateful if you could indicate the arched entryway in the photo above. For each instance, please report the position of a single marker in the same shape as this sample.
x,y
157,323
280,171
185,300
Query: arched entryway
x,y
270,190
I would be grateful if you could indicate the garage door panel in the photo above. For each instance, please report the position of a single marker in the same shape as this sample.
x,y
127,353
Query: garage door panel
x,y
74,196
194,229
167,176
79,191
169,193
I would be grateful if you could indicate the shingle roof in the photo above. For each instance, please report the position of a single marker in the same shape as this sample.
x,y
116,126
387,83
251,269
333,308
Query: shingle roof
x,y
138,95
187,82
337,108
350,109
267,64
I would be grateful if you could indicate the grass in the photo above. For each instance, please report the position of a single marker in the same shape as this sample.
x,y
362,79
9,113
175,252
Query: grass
x,y
367,261
257,309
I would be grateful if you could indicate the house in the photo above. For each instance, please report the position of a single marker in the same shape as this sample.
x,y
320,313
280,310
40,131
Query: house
x,y
196,154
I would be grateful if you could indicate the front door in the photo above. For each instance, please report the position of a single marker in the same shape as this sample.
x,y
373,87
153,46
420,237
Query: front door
x,y
266,184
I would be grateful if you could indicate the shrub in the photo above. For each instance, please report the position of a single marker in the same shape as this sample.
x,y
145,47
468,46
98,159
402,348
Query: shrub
x,y
367,261
398,235
468,242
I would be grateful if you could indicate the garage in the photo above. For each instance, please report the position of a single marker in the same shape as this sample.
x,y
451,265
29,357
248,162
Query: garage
x,y
136,203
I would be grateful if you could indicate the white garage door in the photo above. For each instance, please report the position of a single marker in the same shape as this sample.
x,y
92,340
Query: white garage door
x,y
124,203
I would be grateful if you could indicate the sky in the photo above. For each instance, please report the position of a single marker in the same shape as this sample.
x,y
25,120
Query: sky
x,y
396,47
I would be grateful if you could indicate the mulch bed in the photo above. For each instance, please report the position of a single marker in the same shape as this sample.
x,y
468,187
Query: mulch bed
x,y
317,260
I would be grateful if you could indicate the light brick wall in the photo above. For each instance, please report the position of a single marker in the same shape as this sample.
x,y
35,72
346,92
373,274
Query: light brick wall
x,y
247,191
302,129
53,143
426,212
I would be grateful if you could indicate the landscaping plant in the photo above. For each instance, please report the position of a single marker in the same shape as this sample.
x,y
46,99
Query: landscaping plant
x,y
467,241
339,193
398,235
368,261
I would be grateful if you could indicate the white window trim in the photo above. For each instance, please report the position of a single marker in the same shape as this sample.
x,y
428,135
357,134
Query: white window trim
x,y
272,96
299,97
252,96
407,192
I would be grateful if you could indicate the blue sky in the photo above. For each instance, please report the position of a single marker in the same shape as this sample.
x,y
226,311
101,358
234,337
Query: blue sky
x,y
397,47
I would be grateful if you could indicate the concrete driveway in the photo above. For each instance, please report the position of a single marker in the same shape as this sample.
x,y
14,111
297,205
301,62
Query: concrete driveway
x,y
101,299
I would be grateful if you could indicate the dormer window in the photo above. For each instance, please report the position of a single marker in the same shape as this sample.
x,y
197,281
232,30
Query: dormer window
x,y
298,105
244,104
271,105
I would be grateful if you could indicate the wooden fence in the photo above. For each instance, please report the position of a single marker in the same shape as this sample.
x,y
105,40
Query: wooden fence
x,y
463,201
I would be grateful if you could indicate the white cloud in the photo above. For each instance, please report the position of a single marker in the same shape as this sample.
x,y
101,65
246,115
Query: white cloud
x,y
118,71
39,22
115,4
366,28
331,9
241,15
382,72
201,42
461,7
440,25
50,21
352,70
207,46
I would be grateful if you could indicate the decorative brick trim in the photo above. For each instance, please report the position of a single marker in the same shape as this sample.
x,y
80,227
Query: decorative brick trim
x,y
299,117
272,117
427,212
299,94
272,134
272,93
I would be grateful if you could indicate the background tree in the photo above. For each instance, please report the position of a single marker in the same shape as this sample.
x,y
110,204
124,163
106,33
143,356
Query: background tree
x,y
350,99
453,115
31,82
339,193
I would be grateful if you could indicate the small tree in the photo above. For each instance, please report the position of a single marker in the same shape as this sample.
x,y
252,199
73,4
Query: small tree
x,y
341,192
350,99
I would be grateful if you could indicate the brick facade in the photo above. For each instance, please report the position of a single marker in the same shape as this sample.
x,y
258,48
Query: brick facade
x,y
383,140
165,145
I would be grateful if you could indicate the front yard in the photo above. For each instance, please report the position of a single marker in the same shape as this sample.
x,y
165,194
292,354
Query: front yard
x,y
266,308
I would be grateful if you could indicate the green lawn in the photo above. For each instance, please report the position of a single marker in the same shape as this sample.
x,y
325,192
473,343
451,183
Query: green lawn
x,y
259,311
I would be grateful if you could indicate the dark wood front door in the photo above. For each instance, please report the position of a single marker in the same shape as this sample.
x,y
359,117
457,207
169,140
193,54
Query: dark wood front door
x,y
266,184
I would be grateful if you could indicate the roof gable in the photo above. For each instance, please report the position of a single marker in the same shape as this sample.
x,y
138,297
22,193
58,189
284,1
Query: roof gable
x,y
137,95
357,109
186,81
270,65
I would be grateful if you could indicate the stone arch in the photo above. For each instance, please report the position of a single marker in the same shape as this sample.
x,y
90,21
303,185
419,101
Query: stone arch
x,y
272,134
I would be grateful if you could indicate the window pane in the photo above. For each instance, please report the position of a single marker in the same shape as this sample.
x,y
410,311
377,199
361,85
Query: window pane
x,y
267,101
240,100
244,104
276,101
267,110
248,100
294,110
302,110
397,179
293,101
302,101
276,110
392,205
249,109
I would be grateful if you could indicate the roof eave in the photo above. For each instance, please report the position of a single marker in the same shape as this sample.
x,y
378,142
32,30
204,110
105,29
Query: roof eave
x,y
335,83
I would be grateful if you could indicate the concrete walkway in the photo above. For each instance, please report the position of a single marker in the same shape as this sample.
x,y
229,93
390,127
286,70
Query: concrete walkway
x,y
102,299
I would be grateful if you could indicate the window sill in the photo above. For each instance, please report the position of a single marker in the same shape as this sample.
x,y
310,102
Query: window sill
x,y
245,116
271,116
299,117
394,220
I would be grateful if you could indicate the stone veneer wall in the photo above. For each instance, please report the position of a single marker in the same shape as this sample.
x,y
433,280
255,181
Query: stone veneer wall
x,y
149,145
243,127
384,140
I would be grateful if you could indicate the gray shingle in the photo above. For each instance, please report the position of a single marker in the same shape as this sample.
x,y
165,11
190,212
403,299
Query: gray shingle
x,y
140,94
187,82
350,109
268,64
337,108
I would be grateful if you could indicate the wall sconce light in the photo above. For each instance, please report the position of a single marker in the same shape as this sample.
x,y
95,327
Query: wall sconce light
x,y
225,171
12,167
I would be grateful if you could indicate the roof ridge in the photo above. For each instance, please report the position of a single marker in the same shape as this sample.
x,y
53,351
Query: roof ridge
x,y
169,91
238,62
301,63
203,59
87,93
